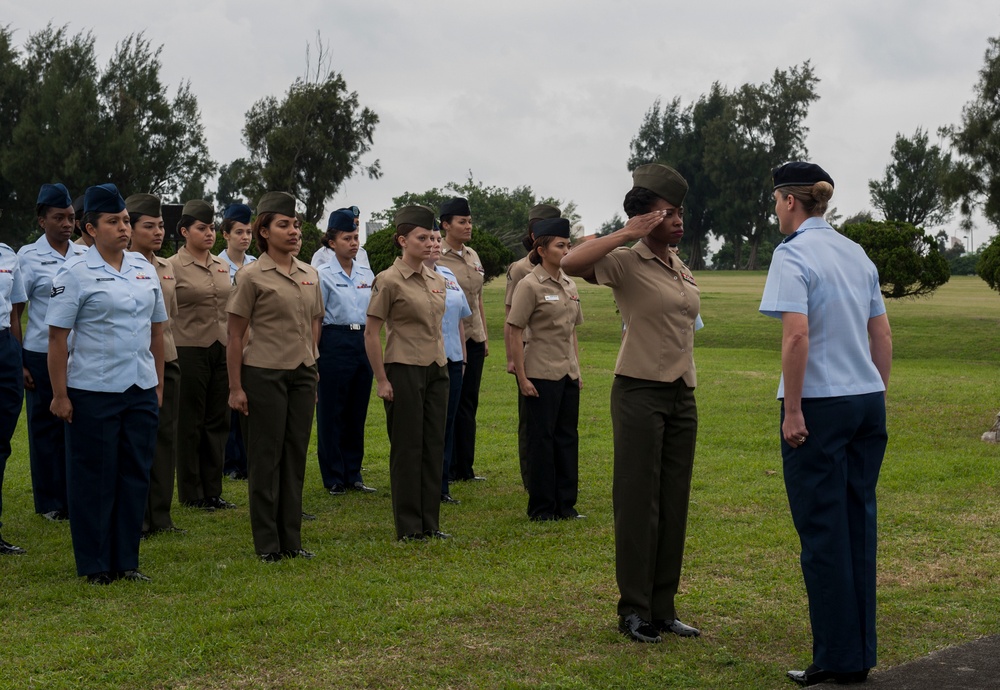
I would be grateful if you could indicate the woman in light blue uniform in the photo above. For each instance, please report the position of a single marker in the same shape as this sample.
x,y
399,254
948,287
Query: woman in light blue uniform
x,y
11,374
40,261
836,356
456,308
107,387
238,235
345,376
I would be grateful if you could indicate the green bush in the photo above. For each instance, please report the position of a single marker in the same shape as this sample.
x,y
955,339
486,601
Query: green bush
x,y
988,266
908,261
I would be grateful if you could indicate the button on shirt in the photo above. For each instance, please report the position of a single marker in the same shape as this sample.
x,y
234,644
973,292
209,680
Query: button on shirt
x,y
551,307
110,313
11,285
39,265
659,302
456,308
281,307
822,274
345,297
470,273
412,304
232,266
202,293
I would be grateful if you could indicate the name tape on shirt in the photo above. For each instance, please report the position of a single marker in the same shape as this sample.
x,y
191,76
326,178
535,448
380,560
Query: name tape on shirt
x,y
551,298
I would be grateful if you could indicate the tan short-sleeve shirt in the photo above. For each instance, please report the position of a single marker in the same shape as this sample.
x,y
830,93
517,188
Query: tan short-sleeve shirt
x,y
168,285
202,293
551,307
659,302
470,273
281,307
412,305
515,273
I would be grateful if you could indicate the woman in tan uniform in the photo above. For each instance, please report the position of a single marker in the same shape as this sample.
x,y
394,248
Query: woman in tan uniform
x,y
147,237
515,272
457,255
202,281
272,383
412,376
548,373
653,411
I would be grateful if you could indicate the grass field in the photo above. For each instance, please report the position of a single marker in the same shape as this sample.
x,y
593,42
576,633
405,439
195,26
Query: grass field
x,y
508,603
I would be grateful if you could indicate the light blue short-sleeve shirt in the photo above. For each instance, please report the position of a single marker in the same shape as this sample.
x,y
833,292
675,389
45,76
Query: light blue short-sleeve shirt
x,y
247,259
456,308
822,274
11,285
110,313
345,297
39,265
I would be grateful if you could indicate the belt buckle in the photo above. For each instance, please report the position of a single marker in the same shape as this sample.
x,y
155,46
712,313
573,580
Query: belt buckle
x,y
355,326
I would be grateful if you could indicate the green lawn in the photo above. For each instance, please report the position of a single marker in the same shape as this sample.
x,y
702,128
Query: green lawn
x,y
508,603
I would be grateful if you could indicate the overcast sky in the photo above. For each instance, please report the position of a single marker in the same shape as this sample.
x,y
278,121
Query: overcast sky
x,y
549,93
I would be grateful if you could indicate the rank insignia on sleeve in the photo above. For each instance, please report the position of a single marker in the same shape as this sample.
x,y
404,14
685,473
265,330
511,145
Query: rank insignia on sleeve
x,y
57,290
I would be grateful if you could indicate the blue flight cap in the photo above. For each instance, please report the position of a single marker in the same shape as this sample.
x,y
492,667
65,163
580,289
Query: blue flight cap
x,y
341,219
55,195
239,212
103,198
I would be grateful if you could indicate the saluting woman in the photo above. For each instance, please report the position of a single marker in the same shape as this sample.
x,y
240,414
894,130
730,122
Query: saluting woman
x,y
457,255
548,373
653,410
202,285
345,376
412,376
836,357
107,387
456,309
272,381
238,235
146,218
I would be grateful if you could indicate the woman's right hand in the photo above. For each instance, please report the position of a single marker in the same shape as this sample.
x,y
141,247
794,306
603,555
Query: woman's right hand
x,y
528,389
238,401
638,227
384,390
62,408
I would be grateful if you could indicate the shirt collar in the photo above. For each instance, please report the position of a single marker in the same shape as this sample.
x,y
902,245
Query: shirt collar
x,y
542,275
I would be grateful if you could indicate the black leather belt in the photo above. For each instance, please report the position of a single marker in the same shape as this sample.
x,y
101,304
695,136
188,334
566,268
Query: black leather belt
x,y
347,327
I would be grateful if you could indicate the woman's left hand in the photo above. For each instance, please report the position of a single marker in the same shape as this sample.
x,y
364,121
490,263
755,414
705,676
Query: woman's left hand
x,y
793,429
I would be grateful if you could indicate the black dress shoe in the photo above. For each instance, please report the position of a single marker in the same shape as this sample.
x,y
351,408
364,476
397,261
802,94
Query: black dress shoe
x,y
220,503
308,516
637,629
8,549
270,557
416,536
133,576
56,515
337,490
446,498
100,579
814,675
572,516
676,627
477,478
360,486
297,553
437,534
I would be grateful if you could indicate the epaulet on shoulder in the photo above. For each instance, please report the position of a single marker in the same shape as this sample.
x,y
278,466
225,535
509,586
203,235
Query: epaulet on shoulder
x,y
4,245
790,237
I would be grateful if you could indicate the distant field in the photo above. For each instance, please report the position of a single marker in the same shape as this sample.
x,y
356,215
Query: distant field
x,y
508,603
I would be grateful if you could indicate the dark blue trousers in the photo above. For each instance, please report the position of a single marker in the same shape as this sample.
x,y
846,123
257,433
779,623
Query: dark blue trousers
x,y
553,447
345,384
46,439
11,398
830,480
464,455
454,393
110,447
236,450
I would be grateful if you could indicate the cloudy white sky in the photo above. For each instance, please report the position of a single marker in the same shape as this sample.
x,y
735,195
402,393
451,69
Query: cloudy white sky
x,y
548,93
